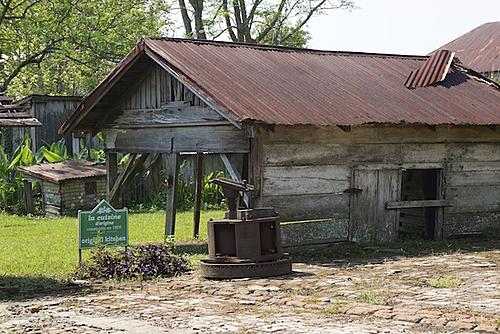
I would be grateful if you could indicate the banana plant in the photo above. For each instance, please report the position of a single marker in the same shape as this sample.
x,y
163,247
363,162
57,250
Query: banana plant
x,y
56,153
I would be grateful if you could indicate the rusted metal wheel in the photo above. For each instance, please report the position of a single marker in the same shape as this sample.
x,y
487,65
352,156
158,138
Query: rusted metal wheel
x,y
241,270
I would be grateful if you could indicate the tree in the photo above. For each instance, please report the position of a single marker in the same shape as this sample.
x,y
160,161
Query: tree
x,y
66,46
255,21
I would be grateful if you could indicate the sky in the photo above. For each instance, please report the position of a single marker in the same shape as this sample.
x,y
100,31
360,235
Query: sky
x,y
400,26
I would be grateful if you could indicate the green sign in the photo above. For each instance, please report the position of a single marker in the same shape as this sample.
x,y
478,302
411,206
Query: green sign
x,y
103,226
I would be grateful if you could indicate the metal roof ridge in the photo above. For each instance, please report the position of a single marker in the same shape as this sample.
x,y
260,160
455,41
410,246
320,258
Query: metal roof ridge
x,y
280,48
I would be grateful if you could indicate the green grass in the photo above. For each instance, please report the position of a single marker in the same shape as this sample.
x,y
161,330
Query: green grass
x,y
48,247
444,282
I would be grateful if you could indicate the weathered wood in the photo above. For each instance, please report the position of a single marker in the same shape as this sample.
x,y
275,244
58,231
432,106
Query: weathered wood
x,y
296,180
314,232
167,115
418,204
171,200
180,85
382,134
487,177
309,207
214,139
133,162
333,153
439,214
235,175
28,196
473,198
111,169
197,194
369,219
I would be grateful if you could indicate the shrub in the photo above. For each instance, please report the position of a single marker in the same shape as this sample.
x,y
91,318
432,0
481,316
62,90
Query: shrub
x,y
143,261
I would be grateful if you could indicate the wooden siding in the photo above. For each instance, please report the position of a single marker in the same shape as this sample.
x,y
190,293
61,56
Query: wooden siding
x,y
303,171
51,112
160,114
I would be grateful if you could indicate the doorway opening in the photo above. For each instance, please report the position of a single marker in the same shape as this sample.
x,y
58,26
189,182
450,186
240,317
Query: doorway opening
x,y
418,185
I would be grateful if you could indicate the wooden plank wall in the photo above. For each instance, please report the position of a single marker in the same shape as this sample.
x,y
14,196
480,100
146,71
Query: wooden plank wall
x,y
160,114
304,170
155,88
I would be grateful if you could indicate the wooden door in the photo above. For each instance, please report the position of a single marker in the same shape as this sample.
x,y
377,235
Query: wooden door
x,y
369,218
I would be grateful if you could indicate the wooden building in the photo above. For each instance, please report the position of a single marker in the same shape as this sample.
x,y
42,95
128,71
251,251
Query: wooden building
x,y
12,118
347,146
66,186
52,111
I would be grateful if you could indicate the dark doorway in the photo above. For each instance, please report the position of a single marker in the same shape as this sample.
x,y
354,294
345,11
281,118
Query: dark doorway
x,y
416,185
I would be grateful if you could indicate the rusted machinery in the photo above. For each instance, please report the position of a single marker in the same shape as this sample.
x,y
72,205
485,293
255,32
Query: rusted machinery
x,y
246,243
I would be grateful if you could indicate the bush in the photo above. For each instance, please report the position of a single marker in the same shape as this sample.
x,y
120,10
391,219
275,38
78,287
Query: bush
x,y
143,261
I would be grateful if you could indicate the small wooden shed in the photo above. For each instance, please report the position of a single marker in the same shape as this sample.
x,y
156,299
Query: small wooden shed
x,y
346,146
66,186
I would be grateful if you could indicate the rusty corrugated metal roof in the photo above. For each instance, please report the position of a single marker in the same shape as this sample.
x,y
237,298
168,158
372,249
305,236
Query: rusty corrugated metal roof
x,y
479,49
289,86
66,170
433,70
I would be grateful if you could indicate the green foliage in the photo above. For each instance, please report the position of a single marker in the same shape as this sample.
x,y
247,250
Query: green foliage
x,y
56,153
66,46
11,181
11,184
211,194
261,22
444,282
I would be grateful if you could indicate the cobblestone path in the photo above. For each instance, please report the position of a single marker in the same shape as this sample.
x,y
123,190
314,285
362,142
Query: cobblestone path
x,y
393,295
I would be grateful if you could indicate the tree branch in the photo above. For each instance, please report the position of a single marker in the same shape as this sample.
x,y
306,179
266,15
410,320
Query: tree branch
x,y
185,18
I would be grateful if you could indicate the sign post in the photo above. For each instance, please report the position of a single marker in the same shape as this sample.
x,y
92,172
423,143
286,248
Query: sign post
x,y
103,226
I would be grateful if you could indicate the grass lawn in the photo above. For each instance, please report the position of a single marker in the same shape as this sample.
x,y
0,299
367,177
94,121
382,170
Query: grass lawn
x,y
48,247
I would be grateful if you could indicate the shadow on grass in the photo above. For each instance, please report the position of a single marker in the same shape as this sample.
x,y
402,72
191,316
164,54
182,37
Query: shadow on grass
x,y
347,253
192,249
18,288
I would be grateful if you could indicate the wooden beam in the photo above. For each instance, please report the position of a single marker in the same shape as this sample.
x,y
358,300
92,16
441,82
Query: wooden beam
x,y
28,196
417,204
112,170
132,163
198,176
235,175
171,194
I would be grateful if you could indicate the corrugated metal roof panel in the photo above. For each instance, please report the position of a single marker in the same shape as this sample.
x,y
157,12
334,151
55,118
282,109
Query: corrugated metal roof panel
x,y
479,49
289,86
66,170
433,70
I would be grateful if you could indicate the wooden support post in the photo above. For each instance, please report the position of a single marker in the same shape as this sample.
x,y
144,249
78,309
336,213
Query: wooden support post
x,y
134,161
171,194
235,176
28,196
198,176
112,170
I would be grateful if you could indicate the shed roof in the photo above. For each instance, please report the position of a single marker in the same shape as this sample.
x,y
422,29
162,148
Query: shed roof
x,y
290,86
13,115
479,48
66,170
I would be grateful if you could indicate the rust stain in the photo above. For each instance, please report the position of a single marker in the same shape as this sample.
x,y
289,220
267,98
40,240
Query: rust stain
x,y
289,86
479,49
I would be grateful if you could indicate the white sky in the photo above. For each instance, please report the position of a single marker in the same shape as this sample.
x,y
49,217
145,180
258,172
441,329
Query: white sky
x,y
400,26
